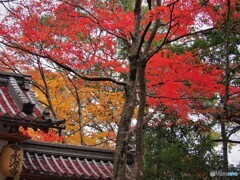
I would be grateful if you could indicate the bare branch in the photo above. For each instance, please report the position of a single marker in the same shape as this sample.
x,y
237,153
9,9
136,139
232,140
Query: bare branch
x,y
66,67
145,31
137,20
180,98
107,140
234,130
190,34
142,37
4,1
236,120
229,141
95,20
171,7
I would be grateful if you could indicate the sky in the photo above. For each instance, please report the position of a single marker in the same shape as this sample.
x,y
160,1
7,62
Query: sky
x,y
234,156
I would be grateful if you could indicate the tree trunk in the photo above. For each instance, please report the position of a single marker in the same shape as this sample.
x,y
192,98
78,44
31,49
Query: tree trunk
x,y
47,93
82,142
225,115
120,156
224,147
139,128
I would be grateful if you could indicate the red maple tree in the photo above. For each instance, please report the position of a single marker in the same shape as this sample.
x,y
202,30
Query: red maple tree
x,y
126,44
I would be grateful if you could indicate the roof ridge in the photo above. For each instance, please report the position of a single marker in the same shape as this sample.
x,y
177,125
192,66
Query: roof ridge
x,y
68,151
19,97
66,146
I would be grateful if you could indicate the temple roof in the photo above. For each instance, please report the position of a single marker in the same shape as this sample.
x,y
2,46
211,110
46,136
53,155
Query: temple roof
x,y
58,161
19,106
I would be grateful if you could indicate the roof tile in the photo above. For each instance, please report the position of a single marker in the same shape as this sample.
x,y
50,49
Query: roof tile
x,y
19,106
42,159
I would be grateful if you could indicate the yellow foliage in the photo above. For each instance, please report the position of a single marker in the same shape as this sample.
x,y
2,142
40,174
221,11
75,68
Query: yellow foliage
x,y
101,106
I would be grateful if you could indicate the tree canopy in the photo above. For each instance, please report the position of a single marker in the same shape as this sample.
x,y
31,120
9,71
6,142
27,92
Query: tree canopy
x,y
121,62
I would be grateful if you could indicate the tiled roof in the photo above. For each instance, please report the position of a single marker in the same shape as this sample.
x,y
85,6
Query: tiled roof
x,y
57,161
19,106
45,161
